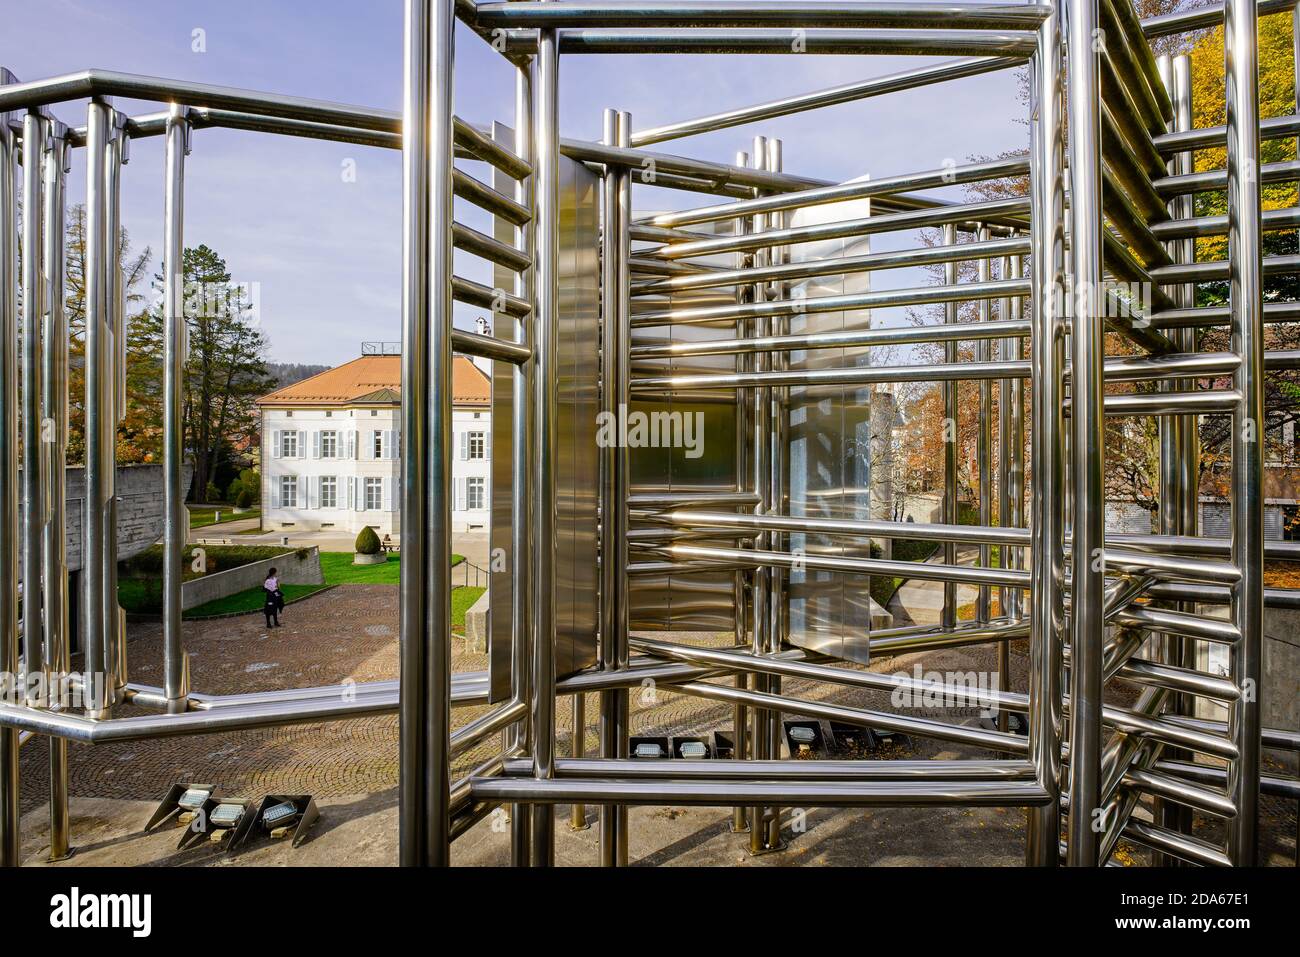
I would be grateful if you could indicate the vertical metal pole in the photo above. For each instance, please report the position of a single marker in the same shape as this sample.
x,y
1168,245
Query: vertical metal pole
x,y
35,130
1087,627
744,611
623,473
762,448
54,549
951,439
115,404
984,444
578,812
521,451
9,811
1016,451
414,582
1245,302
1047,522
99,426
545,409
175,525
437,745
779,428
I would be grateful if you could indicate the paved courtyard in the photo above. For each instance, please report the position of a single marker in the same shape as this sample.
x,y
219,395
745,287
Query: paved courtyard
x,y
350,632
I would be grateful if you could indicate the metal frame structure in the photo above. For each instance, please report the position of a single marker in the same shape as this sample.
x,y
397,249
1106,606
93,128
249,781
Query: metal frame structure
x,y
1095,607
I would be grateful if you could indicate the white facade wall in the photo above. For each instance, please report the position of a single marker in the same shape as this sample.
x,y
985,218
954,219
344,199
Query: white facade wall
x,y
340,468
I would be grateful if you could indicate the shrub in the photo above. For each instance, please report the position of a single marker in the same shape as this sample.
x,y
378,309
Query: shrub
x,y
367,542
232,491
213,494
244,499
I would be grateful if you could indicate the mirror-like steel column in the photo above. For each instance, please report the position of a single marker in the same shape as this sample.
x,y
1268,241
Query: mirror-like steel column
x,y
521,463
1087,624
437,558
1047,506
35,130
175,523
951,438
99,425
414,583
9,816
54,549
546,182
1246,305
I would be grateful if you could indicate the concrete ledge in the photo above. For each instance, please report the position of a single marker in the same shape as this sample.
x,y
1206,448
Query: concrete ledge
x,y
300,566
476,624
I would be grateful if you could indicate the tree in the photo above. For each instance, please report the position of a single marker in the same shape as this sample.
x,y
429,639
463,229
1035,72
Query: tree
x,y
137,440
225,372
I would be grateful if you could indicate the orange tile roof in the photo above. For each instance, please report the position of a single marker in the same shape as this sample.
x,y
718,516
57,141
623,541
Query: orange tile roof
x,y
358,380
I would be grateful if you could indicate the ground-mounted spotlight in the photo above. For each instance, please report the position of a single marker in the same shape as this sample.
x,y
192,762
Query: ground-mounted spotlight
x,y
724,744
218,820
180,803
848,740
648,748
277,816
691,748
805,739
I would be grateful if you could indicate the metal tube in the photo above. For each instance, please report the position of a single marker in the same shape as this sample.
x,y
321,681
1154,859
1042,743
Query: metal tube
x,y
951,436
413,789
1088,440
10,838
54,547
1245,300
1047,521
175,518
545,412
521,457
850,92
35,131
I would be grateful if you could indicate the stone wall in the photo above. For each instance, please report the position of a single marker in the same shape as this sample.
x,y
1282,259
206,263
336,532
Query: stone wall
x,y
139,509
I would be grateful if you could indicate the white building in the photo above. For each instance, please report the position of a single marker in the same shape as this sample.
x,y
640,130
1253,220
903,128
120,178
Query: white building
x,y
331,448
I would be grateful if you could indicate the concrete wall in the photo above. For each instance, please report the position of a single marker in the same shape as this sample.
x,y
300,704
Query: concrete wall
x,y
292,569
139,509
1279,702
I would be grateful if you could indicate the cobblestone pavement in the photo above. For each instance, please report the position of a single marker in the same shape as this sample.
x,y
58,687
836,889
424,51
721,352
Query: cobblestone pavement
x,y
350,632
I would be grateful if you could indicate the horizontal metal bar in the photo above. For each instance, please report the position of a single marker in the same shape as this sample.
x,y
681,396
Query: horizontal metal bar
x,y
863,42
722,793
1273,128
480,244
477,294
1217,225
499,717
489,347
837,266
847,93
487,198
857,189
1183,680
1173,789
1183,846
481,145
1191,317
1284,171
1015,207
1268,783
851,375
795,14
968,574
812,770
1183,21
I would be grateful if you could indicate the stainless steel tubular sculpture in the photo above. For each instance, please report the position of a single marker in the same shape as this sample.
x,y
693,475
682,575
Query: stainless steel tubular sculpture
x,y
748,310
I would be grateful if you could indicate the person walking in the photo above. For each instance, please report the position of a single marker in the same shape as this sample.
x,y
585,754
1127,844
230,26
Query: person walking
x,y
273,602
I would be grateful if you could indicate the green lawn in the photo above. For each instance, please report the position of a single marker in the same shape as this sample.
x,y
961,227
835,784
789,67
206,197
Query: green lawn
x,y
338,569
248,601
201,515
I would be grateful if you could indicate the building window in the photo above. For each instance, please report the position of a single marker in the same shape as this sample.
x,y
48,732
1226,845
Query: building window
x,y
474,494
329,492
288,444
288,491
475,445
379,444
374,412
374,494
329,445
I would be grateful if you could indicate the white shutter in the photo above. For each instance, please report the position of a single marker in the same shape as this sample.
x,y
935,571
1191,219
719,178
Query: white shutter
x,y
464,446
390,444
313,486
275,444
302,443
275,493
388,495
315,444
361,493
346,491
460,495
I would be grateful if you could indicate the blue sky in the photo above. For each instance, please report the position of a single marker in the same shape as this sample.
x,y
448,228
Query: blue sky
x,y
326,253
